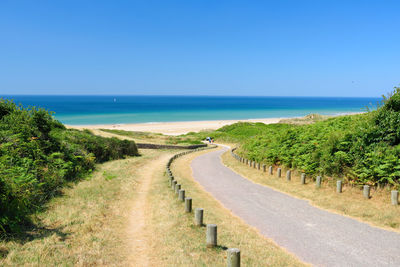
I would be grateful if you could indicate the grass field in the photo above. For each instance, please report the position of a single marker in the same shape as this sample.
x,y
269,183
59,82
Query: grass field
x,y
85,226
377,210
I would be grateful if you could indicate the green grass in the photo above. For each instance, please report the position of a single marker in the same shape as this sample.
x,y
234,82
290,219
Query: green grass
x,y
38,156
359,149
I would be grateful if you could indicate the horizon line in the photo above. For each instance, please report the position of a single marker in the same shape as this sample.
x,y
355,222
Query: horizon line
x,y
178,95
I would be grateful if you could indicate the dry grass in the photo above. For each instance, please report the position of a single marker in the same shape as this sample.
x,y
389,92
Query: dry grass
x,y
86,226
139,137
309,119
177,242
377,210
148,137
92,223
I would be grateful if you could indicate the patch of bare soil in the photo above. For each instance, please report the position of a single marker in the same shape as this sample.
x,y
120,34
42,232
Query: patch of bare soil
x,y
137,232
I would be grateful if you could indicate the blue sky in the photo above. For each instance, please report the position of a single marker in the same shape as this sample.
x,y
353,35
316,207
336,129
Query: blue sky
x,y
200,47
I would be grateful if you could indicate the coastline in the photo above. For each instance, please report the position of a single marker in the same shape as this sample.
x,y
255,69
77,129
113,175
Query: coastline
x,y
173,128
184,127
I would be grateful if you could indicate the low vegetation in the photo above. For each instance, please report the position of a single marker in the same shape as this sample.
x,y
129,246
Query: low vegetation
x,y
309,119
377,211
87,224
156,138
38,156
361,149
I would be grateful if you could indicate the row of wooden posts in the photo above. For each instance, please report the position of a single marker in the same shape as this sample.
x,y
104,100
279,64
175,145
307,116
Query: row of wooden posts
x,y
233,254
318,180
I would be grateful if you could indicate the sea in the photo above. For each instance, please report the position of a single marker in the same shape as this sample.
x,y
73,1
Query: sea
x,y
92,110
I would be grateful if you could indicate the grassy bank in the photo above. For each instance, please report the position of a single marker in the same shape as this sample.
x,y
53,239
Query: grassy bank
x,y
377,210
155,138
38,156
87,224
359,149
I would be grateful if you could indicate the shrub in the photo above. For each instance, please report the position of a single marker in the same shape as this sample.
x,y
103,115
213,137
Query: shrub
x,y
38,155
364,148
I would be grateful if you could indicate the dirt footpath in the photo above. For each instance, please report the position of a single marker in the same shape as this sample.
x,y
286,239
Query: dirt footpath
x,y
137,232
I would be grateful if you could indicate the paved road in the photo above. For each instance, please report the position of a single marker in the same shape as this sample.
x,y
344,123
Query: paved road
x,y
314,235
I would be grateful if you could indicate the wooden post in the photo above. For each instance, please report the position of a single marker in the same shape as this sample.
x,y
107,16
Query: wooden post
x,y
264,167
177,188
171,179
181,195
395,197
174,182
188,205
211,235
303,178
198,216
339,186
278,173
233,257
270,170
366,191
318,181
288,175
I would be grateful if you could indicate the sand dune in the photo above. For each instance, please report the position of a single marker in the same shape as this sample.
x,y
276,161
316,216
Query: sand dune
x,y
173,128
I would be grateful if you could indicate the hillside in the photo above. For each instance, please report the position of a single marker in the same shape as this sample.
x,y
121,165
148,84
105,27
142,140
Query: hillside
x,y
363,148
38,156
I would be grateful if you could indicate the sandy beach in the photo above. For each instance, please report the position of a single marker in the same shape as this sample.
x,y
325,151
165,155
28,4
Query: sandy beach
x,y
173,128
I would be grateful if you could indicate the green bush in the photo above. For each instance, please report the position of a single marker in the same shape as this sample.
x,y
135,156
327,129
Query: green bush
x,y
364,148
38,155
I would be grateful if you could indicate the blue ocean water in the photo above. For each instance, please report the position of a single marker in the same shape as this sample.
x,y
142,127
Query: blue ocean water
x,y
86,110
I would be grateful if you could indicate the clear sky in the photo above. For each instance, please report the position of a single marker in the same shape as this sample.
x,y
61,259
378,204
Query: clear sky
x,y
200,47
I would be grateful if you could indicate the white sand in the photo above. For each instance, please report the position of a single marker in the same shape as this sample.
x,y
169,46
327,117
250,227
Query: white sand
x,y
173,128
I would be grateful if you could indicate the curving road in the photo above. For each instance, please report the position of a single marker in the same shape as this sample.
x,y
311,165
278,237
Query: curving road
x,y
314,235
